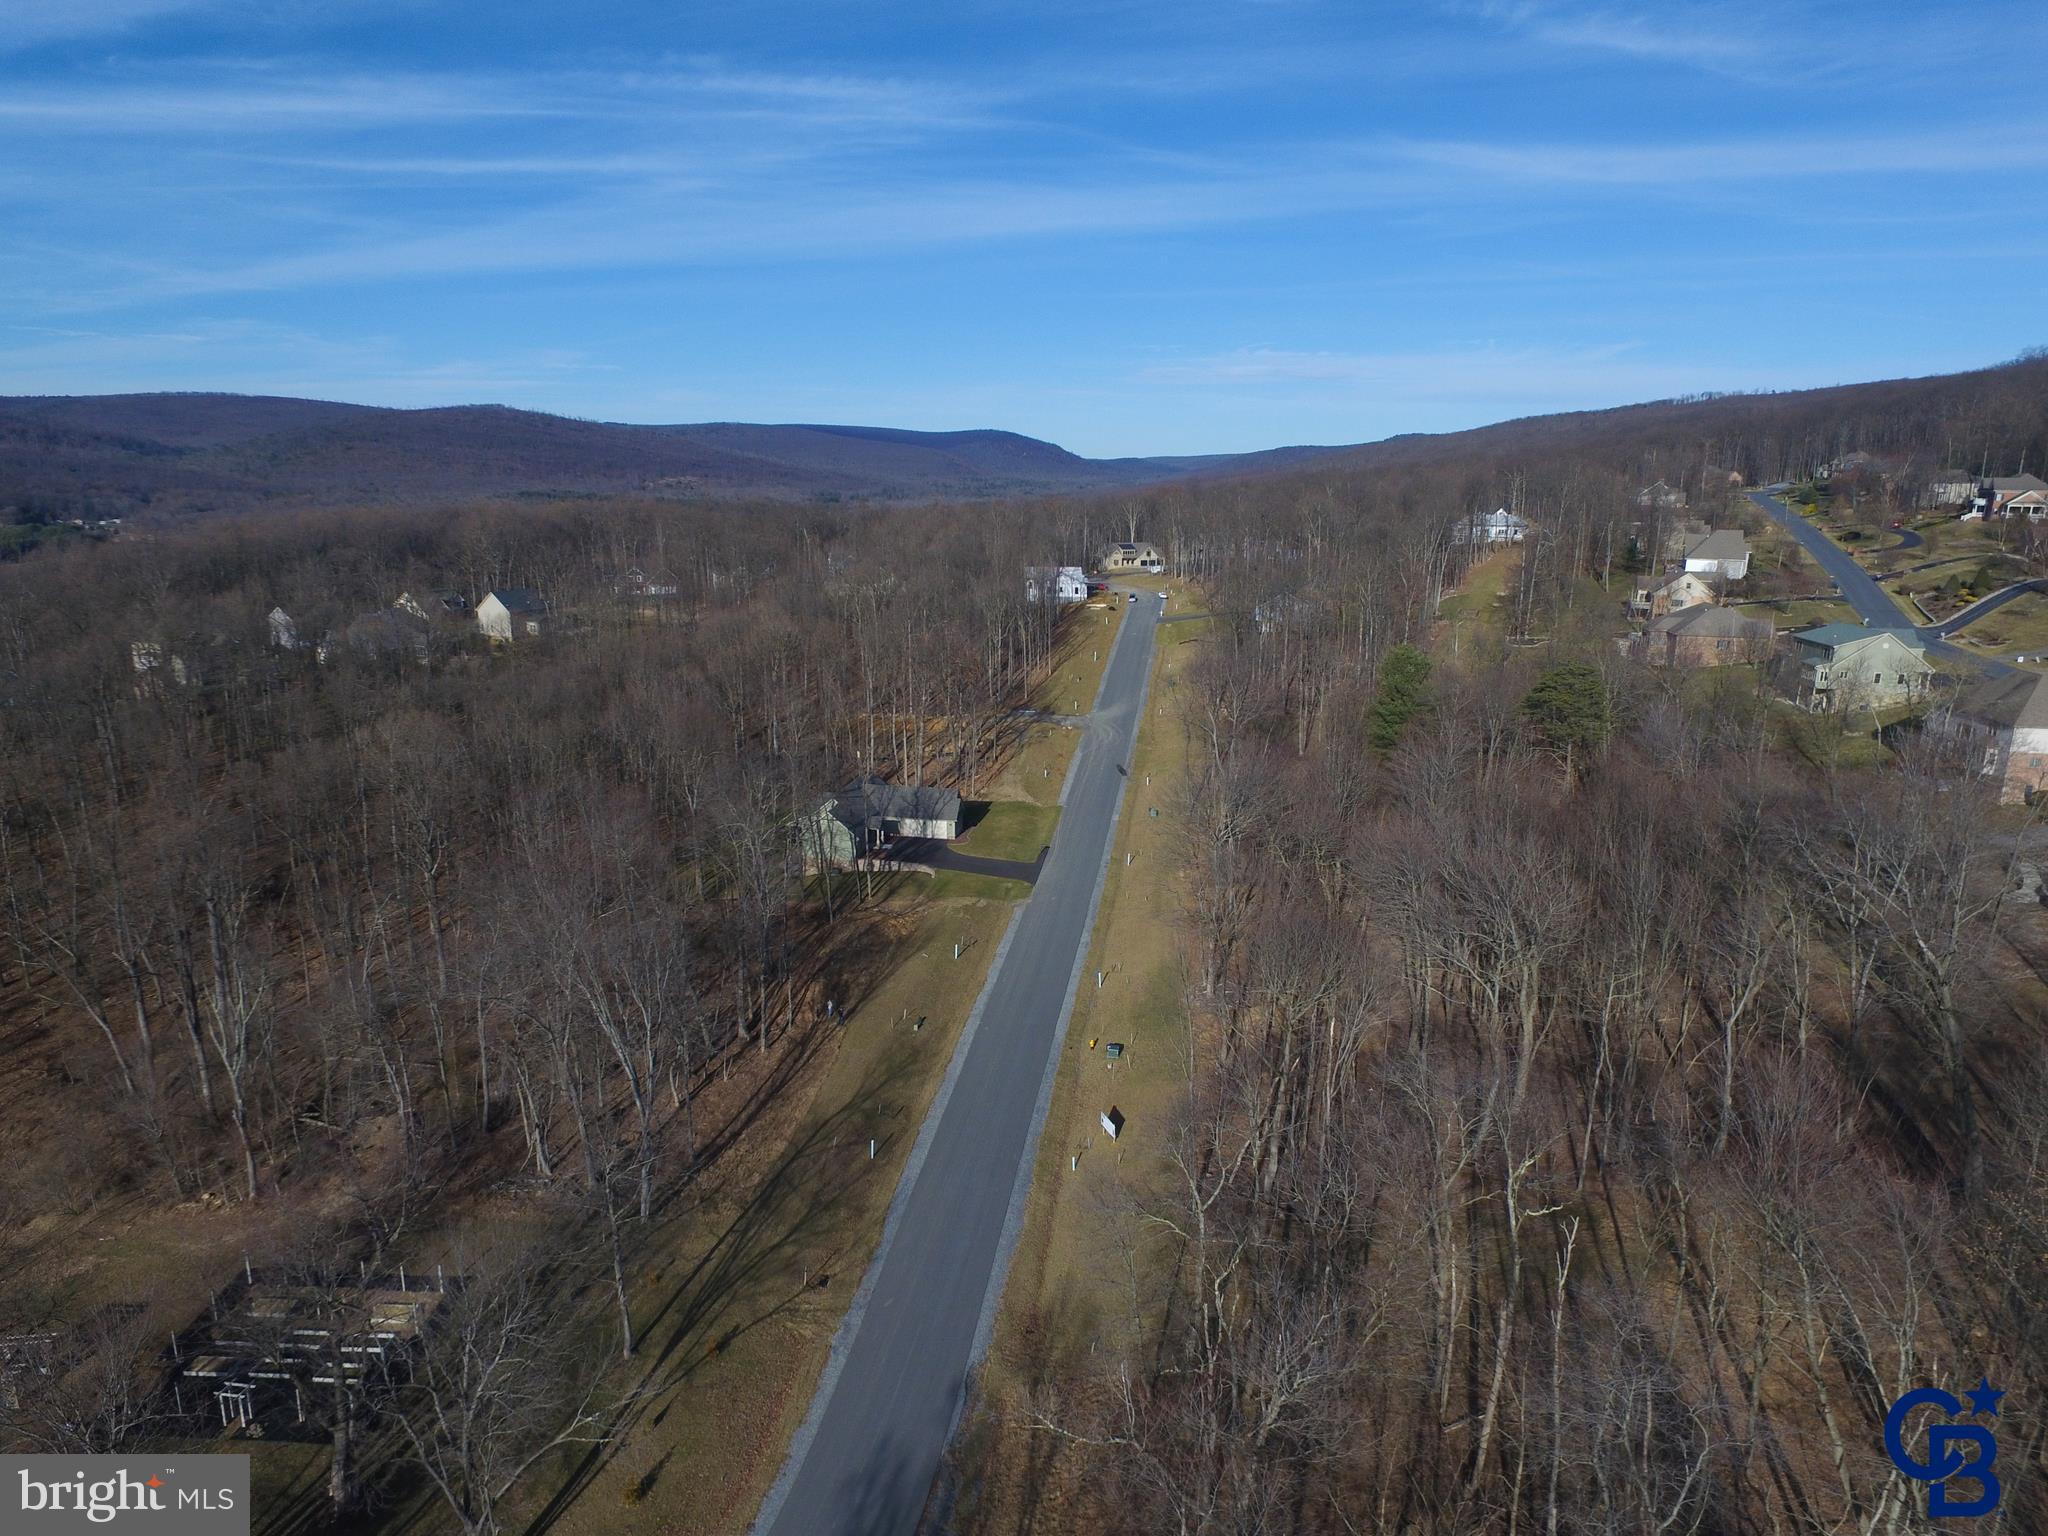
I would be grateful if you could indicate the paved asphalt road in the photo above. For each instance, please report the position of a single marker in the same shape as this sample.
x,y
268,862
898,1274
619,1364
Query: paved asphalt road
x,y
864,1461
1982,606
1872,603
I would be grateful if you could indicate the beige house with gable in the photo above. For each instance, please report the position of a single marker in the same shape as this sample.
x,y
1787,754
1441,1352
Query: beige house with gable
x,y
1118,559
1846,666
1672,592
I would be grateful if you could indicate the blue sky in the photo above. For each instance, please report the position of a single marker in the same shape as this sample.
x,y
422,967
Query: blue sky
x,y
1128,227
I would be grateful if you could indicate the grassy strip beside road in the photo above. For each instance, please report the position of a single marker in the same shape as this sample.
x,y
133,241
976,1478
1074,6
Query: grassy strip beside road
x,y
740,1294
1071,1284
1037,769
1477,614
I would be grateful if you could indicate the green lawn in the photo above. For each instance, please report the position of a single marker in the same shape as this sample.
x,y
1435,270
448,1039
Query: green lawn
x,y
1950,537
1803,612
950,884
2021,625
1477,615
1010,829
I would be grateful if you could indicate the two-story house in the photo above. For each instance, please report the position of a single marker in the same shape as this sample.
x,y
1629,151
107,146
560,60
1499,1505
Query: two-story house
x,y
1846,666
1706,636
2002,724
1055,584
1127,557
1656,596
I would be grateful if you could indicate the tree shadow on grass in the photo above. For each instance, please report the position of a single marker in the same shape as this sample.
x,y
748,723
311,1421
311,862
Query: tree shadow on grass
x,y
769,1257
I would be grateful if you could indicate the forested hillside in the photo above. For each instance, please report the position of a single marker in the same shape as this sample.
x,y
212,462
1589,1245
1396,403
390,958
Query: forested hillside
x,y
1598,1111
164,455
169,455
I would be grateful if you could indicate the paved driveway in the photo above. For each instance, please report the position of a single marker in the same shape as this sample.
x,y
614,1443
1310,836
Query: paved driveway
x,y
929,850
864,1461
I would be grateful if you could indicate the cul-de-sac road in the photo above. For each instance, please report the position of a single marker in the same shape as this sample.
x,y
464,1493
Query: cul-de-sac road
x,y
866,1457
1873,605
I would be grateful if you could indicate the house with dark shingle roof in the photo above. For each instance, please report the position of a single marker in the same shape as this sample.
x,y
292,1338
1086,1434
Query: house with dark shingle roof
x,y
2002,723
1128,556
511,613
869,814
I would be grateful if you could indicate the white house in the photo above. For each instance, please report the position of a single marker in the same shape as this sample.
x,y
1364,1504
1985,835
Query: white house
x,y
1056,584
636,582
1500,526
1724,552
1949,488
509,613
150,659
284,632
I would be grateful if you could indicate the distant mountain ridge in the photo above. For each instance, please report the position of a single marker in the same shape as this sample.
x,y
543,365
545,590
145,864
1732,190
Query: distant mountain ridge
x,y
65,456
194,452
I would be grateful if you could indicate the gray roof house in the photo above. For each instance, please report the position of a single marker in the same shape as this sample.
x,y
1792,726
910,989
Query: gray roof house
x,y
1703,636
508,613
1846,666
2002,723
869,813
1723,552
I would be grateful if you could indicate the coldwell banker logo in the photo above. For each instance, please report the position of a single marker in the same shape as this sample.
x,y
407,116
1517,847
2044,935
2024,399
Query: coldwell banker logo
x,y
1945,1459
167,1496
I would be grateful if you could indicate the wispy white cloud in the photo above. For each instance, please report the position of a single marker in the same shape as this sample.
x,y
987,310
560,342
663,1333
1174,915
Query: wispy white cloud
x,y
1811,41
228,106
775,203
2016,140
1711,37
217,97
26,23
